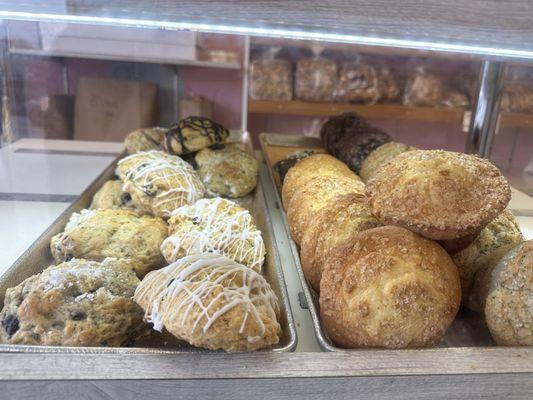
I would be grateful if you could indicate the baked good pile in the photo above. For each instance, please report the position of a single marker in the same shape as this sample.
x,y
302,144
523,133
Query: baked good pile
x,y
393,258
158,249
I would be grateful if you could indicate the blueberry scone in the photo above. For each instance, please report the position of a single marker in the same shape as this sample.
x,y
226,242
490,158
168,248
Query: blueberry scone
x,y
211,301
192,134
227,170
217,226
158,183
145,139
75,303
98,234
111,195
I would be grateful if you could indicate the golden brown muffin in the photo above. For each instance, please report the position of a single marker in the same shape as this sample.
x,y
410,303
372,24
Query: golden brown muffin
x,y
227,170
76,303
309,168
111,195
145,139
98,234
211,301
216,226
389,287
313,196
158,183
492,243
380,156
192,134
508,289
438,194
345,215
286,163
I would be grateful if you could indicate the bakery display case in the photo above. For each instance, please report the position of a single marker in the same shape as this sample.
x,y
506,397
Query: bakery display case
x,y
268,199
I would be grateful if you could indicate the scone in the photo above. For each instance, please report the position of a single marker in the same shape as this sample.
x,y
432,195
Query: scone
x,y
213,302
380,156
227,170
76,303
316,194
492,243
309,168
289,161
145,139
192,134
389,287
508,290
111,195
158,183
438,194
344,216
216,226
98,234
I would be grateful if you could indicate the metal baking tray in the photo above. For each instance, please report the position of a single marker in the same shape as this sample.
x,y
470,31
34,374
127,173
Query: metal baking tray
x,y
38,256
468,329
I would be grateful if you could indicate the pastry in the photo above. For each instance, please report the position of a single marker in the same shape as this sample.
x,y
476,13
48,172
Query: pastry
x,y
380,156
388,287
315,79
309,168
289,161
508,290
111,195
227,170
98,234
439,194
192,134
423,90
492,243
358,83
517,97
216,226
270,79
345,215
158,183
75,303
213,302
145,139
314,195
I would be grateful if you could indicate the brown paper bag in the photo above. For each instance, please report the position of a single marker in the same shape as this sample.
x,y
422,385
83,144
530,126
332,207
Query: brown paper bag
x,y
109,109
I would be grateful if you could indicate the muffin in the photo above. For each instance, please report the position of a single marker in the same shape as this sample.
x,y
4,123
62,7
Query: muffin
x,y
227,170
158,183
214,226
282,166
380,156
345,215
98,234
212,302
192,134
438,194
75,303
111,196
389,287
145,139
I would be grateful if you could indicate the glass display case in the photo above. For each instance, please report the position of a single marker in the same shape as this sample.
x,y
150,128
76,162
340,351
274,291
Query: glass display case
x,y
221,98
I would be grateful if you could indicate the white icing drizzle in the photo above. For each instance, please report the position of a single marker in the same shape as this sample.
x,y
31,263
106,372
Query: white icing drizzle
x,y
193,279
58,277
79,218
218,232
152,166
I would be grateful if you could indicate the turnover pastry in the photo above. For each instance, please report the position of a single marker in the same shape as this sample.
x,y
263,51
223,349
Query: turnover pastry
x,y
213,302
380,156
98,234
217,226
111,195
389,287
192,134
158,182
75,303
145,139
439,194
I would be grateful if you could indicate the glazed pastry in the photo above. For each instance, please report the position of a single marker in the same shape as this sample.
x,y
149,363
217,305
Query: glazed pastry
x,y
192,134
508,290
213,302
158,183
282,167
389,287
309,168
492,243
111,195
216,226
227,170
76,303
313,196
145,139
380,156
439,194
345,215
98,234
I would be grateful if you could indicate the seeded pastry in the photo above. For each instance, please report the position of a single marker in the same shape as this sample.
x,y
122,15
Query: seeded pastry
x,y
282,166
380,156
192,134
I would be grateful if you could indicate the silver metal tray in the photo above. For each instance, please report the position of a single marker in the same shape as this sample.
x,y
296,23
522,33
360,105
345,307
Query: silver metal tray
x,y
468,329
38,256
